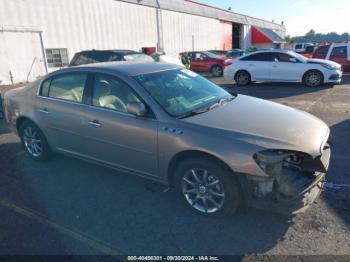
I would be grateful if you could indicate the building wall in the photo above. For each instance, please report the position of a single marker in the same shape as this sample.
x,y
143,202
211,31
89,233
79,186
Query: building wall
x,y
107,24
20,56
185,32
79,25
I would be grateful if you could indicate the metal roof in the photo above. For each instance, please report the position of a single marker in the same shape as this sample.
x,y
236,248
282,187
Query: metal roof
x,y
271,34
195,8
331,38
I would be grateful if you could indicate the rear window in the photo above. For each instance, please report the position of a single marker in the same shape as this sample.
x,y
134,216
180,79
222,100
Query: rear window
x,y
299,46
267,57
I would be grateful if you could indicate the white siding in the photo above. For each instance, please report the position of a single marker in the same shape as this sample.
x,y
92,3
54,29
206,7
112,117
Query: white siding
x,y
81,24
184,32
20,56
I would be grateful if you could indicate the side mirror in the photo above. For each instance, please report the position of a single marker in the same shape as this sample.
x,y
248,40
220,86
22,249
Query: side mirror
x,y
136,108
293,60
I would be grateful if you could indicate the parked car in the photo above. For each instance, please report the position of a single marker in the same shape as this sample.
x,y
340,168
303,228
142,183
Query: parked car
x,y
235,53
166,123
208,62
283,66
339,53
301,47
100,56
309,50
163,58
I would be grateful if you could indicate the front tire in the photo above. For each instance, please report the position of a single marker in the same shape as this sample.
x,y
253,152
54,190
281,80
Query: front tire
x,y
313,78
34,141
207,187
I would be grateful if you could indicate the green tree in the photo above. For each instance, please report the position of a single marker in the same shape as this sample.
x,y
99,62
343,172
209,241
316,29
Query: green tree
x,y
311,33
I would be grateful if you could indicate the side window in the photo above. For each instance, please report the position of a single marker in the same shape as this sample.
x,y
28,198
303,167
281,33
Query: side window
x,y
340,52
68,87
110,92
299,46
283,57
45,88
260,57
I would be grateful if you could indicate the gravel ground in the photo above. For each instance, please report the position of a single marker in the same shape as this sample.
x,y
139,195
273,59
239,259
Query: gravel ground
x,y
67,206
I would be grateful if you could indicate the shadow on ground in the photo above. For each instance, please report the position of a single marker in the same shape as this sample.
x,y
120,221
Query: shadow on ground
x,y
21,235
128,212
339,198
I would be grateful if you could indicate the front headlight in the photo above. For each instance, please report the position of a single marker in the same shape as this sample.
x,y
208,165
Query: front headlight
x,y
329,67
273,161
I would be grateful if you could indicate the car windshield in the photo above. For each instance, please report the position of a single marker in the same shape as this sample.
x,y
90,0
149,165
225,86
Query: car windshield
x,y
182,93
298,56
212,55
138,58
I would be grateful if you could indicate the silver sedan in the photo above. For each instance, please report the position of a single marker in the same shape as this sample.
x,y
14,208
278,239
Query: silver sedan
x,y
218,150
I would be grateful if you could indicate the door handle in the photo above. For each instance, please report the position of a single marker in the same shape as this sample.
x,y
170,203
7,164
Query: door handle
x,y
94,123
44,111
274,66
251,65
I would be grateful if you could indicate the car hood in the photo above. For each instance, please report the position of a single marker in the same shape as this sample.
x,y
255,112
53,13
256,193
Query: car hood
x,y
267,124
323,61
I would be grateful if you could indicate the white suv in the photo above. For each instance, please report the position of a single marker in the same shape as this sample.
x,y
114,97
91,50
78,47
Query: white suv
x,y
283,66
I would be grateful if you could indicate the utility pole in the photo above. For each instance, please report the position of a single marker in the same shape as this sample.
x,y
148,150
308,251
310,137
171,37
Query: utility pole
x,y
160,43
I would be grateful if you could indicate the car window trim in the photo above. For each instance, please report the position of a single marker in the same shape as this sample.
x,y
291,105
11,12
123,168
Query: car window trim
x,y
50,78
89,96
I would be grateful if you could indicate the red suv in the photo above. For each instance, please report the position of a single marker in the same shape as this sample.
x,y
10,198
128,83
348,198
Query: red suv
x,y
208,62
339,53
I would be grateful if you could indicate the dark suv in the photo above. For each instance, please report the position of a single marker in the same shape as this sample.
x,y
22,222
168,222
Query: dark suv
x,y
99,56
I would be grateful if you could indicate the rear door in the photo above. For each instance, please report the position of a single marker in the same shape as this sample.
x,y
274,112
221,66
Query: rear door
x,y
60,111
258,65
199,61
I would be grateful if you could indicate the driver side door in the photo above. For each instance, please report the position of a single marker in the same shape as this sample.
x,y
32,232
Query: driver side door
x,y
116,137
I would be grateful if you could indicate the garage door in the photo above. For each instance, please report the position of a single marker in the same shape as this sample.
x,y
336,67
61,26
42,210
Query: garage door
x,y
226,35
20,56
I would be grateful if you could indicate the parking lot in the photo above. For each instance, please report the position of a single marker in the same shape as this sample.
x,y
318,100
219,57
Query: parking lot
x,y
67,206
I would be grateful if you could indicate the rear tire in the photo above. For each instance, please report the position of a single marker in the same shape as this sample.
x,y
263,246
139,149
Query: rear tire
x,y
242,78
34,141
207,187
313,78
217,71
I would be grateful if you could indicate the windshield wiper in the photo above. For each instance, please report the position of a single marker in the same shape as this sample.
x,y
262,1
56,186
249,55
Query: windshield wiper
x,y
221,102
194,112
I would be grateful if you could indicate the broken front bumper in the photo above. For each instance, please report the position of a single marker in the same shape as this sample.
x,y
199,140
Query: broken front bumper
x,y
291,194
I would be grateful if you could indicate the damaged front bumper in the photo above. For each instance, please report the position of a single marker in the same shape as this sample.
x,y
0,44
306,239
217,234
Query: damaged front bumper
x,y
291,191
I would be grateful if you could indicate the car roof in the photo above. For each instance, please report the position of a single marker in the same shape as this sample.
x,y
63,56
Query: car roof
x,y
117,51
125,67
272,51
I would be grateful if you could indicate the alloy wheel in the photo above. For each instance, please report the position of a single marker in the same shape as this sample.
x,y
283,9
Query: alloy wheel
x,y
313,79
32,141
217,71
242,78
203,190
